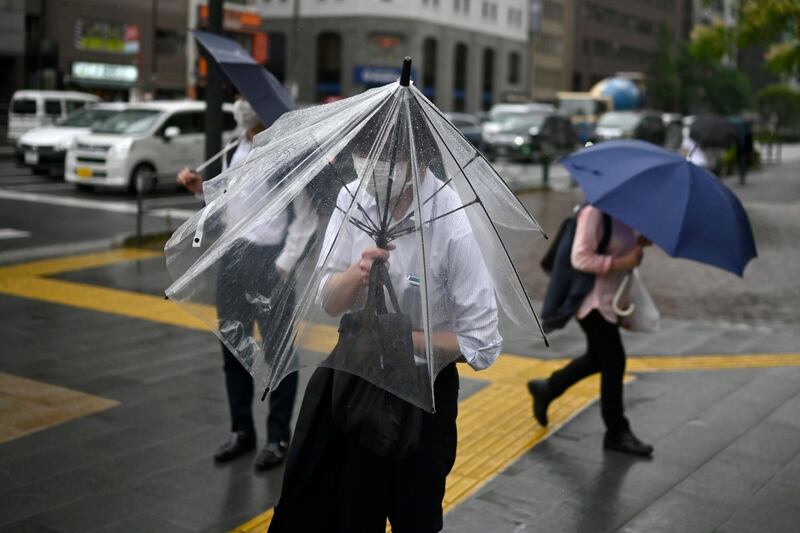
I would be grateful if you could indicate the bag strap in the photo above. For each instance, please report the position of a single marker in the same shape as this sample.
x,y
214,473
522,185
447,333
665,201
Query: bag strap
x,y
601,248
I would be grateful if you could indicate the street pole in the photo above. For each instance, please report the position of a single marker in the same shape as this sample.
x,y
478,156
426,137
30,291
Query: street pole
x,y
213,115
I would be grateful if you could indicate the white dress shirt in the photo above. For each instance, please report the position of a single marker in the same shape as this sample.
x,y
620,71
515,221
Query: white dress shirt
x,y
272,233
461,294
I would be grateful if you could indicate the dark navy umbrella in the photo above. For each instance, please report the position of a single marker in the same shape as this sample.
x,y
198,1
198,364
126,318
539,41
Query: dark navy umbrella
x,y
259,86
681,207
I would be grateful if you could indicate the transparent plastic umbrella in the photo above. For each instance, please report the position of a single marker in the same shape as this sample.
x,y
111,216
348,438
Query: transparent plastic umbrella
x,y
382,169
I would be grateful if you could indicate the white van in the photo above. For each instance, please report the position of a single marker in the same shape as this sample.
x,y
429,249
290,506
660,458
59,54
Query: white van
x,y
31,108
152,140
45,148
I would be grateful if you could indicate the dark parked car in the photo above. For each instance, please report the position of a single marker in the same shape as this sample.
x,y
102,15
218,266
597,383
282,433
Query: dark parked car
x,y
469,125
531,137
644,125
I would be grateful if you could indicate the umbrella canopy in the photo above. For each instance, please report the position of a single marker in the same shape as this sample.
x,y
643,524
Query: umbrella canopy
x,y
259,86
713,131
383,169
681,207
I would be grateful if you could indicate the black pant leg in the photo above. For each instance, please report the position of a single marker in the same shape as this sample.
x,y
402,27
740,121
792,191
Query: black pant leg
x,y
271,324
239,385
230,310
604,340
418,484
577,369
281,404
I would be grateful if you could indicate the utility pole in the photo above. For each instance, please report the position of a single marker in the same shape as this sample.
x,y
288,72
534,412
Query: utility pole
x,y
293,83
213,115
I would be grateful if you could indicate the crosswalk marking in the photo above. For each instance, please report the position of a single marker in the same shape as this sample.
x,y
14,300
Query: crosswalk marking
x,y
9,233
114,207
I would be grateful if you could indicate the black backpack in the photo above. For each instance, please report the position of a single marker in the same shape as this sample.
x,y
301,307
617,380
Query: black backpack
x,y
568,287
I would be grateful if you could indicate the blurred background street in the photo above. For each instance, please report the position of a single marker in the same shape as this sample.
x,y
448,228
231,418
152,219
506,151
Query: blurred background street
x,y
112,400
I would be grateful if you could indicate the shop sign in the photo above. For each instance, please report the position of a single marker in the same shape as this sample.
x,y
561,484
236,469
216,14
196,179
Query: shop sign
x,y
106,36
85,70
377,75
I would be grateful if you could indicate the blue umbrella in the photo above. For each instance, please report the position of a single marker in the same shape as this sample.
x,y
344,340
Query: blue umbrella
x,y
258,85
681,207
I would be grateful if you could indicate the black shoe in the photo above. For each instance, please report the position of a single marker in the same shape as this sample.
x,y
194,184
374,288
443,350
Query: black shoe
x,y
540,390
239,443
626,442
272,455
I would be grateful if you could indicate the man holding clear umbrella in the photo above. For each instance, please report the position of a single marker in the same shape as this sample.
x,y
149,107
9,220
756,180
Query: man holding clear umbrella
x,y
418,216
278,245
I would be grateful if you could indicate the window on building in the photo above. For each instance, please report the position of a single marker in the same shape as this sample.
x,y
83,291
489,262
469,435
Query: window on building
x,y
170,43
429,68
553,10
276,55
456,5
466,6
513,68
329,65
460,77
487,87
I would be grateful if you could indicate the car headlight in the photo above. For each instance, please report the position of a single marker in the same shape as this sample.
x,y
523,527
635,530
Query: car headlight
x,y
519,140
120,149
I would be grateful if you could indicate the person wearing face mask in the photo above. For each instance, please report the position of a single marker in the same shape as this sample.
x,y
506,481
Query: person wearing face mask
x,y
331,483
276,246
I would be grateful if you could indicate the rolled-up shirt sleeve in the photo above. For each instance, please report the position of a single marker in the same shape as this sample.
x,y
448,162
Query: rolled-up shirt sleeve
x,y
588,234
475,306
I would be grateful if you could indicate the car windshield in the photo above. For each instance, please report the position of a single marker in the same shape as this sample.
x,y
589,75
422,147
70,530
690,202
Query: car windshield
x,y
624,121
523,123
86,118
128,121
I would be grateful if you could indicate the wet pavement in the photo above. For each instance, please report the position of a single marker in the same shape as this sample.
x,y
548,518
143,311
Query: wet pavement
x,y
141,405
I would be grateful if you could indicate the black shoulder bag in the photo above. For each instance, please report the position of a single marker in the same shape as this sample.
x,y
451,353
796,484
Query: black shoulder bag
x,y
379,344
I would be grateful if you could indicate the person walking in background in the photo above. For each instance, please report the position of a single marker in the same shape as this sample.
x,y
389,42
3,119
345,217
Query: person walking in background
x,y
604,353
276,245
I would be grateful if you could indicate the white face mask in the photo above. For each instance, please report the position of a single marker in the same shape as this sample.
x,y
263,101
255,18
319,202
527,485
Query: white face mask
x,y
244,115
381,173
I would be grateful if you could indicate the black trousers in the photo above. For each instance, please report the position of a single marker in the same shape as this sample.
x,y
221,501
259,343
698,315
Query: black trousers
x,y
247,273
605,354
333,486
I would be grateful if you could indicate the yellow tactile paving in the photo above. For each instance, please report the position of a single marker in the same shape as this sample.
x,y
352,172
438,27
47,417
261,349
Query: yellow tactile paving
x,y
27,405
48,267
711,362
495,424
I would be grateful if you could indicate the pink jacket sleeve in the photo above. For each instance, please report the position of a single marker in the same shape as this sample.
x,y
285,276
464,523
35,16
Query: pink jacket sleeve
x,y
588,233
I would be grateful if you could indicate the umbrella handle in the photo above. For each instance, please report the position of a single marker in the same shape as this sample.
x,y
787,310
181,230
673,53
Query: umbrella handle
x,y
615,302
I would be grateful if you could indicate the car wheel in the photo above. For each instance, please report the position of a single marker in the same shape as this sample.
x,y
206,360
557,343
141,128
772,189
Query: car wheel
x,y
147,173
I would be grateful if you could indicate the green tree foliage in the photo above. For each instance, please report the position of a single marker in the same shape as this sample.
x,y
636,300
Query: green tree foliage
x,y
775,23
781,102
691,77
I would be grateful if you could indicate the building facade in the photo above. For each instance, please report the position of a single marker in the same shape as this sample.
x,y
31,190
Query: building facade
x,y
551,43
119,50
468,54
614,36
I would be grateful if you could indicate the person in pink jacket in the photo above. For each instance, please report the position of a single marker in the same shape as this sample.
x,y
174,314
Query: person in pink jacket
x,y
604,352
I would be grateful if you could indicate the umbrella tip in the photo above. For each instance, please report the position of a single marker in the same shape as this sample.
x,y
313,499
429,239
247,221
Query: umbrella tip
x,y
405,76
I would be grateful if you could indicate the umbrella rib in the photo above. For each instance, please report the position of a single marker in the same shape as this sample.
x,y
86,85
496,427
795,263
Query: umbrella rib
x,y
401,232
480,155
497,233
359,224
372,223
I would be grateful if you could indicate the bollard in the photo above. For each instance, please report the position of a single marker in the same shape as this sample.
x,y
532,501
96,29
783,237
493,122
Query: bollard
x,y
139,195
546,171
